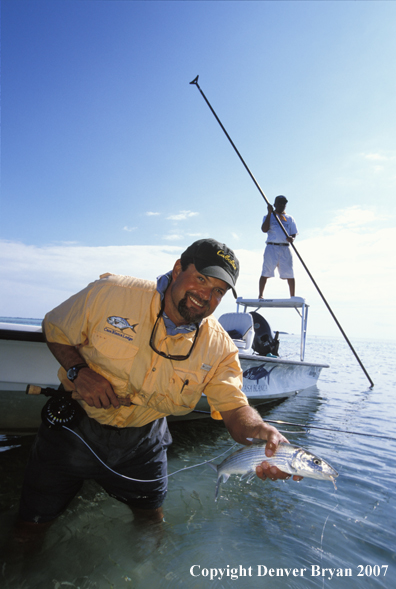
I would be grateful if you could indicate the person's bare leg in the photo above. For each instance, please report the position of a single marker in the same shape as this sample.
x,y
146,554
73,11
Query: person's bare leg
x,y
292,286
262,283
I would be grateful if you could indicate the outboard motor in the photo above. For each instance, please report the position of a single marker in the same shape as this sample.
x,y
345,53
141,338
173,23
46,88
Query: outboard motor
x,y
265,341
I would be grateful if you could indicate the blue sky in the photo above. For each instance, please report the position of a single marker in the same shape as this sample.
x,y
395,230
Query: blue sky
x,y
111,161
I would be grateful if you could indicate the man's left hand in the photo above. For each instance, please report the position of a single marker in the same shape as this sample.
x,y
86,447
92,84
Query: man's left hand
x,y
245,422
267,471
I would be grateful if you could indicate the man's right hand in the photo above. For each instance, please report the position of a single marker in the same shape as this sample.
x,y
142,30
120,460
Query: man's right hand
x,y
95,389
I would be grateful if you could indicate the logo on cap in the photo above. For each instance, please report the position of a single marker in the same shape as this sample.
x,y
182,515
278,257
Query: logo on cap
x,y
227,258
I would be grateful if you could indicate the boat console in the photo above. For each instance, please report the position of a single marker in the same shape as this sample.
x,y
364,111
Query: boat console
x,y
265,340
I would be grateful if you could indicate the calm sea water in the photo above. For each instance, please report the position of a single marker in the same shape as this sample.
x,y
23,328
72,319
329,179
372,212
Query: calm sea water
x,y
272,534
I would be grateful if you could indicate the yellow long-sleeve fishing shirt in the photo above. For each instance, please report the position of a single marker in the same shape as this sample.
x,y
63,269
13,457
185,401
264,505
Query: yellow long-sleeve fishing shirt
x,y
111,321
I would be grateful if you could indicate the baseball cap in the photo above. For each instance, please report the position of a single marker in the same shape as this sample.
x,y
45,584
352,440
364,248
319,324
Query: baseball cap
x,y
281,197
214,259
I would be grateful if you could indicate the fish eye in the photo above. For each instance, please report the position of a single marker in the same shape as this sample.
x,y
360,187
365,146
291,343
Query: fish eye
x,y
317,461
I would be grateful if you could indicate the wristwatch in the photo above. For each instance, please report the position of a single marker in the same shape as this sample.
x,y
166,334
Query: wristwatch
x,y
72,373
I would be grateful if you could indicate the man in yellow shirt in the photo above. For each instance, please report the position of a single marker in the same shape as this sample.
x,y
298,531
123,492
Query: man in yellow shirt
x,y
135,352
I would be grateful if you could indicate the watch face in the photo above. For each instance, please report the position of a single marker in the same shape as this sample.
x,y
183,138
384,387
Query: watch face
x,y
72,373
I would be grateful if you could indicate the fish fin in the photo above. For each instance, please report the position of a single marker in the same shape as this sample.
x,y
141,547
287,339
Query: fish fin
x,y
223,478
256,441
214,466
247,475
292,467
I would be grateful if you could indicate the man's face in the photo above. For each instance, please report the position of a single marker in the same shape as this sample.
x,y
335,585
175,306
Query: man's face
x,y
280,205
192,296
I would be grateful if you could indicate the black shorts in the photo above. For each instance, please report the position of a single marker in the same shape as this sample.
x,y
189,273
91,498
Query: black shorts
x,y
59,462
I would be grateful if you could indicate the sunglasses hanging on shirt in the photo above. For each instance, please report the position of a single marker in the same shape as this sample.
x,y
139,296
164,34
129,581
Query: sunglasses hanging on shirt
x,y
178,358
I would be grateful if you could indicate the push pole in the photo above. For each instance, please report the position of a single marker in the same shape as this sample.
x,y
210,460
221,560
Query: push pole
x,y
195,82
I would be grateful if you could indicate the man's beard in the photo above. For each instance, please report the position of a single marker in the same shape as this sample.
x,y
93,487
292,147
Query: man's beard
x,y
192,315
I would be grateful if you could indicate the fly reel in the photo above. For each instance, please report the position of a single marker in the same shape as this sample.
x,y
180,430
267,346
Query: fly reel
x,y
61,411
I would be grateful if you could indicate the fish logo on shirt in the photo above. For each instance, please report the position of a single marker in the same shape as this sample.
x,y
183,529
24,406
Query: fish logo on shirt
x,y
121,323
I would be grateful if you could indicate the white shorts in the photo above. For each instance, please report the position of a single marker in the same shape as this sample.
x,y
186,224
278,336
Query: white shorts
x,y
277,256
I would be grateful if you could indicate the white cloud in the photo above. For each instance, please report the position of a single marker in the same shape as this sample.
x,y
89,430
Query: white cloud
x,y
126,228
369,173
173,237
196,236
182,216
379,157
354,269
380,162
36,279
152,214
354,217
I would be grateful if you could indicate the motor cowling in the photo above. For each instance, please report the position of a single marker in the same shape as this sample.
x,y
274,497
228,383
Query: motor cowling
x,y
265,340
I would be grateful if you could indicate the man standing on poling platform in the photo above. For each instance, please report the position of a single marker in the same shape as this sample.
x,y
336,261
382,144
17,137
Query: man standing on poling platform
x,y
277,252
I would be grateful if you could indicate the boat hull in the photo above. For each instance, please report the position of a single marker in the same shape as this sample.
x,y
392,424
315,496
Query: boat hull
x,y
269,379
266,380
24,359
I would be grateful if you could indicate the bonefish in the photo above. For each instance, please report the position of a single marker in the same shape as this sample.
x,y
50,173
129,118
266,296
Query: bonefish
x,y
288,458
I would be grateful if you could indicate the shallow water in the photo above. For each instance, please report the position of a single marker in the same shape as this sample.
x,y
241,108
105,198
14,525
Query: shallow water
x,y
257,532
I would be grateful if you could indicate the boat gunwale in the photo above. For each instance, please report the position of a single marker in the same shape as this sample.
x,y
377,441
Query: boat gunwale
x,y
38,336
21,335
281,360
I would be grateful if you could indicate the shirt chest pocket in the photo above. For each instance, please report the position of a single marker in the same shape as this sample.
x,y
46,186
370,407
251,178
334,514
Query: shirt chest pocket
x,y
113,356
180,394
186,387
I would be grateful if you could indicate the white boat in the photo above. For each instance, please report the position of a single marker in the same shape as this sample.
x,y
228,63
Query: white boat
x,y
267,378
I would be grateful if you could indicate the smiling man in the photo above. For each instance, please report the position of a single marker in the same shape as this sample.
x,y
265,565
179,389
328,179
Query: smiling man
x,y
137,351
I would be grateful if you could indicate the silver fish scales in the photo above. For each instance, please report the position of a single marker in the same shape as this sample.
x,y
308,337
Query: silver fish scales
x,y
288,458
